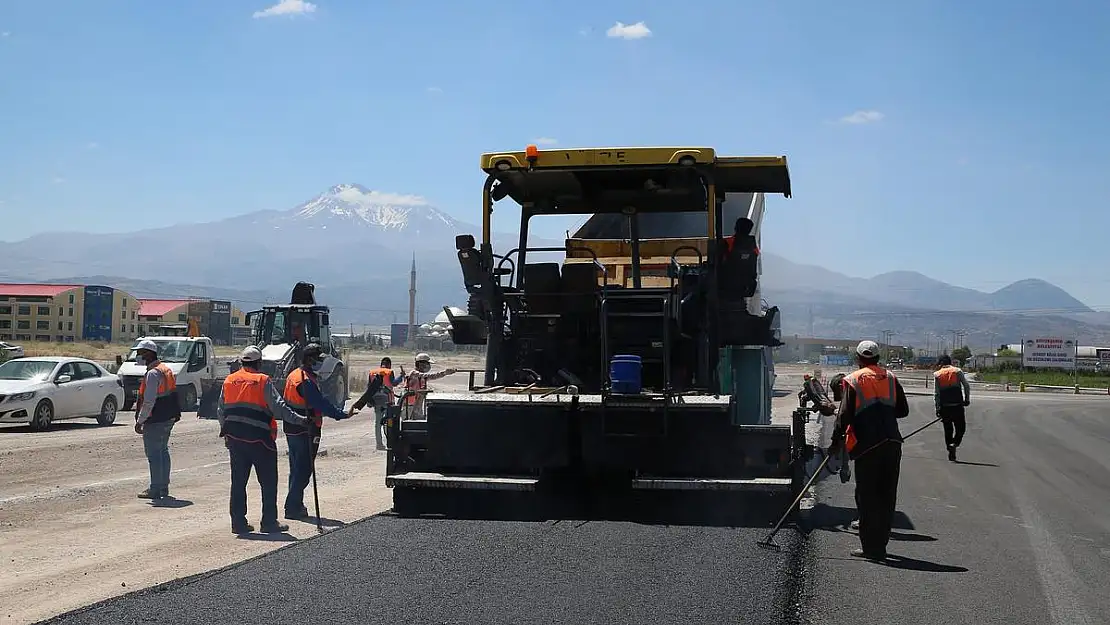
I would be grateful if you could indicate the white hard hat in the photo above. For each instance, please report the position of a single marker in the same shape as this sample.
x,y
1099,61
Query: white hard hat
x,y
251,354
423,357
867,349
147,344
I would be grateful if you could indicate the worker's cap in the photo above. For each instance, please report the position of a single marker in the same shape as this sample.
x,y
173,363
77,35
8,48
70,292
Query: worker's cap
x,y
868,349
312,351
148,345
422,357
251,354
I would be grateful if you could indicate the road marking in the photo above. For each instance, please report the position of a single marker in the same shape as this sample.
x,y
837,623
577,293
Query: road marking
x,y
1058,580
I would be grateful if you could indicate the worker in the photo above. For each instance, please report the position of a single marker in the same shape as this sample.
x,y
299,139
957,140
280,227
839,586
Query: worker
x,y
383,396
418,381
248,410
739,268
951,394
374,388
157,410
303,394
867,427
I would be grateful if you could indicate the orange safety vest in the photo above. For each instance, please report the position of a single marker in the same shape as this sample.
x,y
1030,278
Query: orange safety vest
x,y
949,391
731,240
387,379
421,384
873,386
248,413
165,406
298,403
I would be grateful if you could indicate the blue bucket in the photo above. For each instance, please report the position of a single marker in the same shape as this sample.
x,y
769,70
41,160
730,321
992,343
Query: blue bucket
x,y
624,373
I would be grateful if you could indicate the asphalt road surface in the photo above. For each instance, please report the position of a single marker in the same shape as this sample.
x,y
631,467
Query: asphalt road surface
x,y
1016,532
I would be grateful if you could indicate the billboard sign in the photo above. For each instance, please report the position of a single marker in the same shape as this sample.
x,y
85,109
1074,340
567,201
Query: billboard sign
x,y
1048,353
97,316
836,360
219,322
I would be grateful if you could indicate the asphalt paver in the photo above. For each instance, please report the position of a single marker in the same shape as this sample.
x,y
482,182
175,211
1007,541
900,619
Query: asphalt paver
x,y
1016,531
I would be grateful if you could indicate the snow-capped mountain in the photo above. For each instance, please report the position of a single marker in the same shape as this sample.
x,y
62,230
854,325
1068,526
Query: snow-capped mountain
x,y
353,204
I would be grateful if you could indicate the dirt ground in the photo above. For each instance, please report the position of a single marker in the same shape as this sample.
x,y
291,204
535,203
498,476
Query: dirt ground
x,y
72,531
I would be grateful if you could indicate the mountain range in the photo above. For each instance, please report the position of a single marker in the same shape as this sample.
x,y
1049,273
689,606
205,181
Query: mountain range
x,y
357,246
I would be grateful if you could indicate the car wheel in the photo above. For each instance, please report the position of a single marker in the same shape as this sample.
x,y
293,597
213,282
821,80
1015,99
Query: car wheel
x,y
108,411
188,398
43,417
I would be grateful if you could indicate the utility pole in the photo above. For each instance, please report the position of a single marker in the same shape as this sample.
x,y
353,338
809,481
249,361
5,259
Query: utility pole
x,y
412,302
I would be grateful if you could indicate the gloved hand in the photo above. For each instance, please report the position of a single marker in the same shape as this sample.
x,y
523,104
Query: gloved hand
x,y
967,402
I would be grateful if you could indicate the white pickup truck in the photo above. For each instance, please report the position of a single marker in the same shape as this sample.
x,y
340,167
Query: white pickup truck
x,y
191,359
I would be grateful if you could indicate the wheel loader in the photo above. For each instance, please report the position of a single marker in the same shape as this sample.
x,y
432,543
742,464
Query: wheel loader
x,y
281,331
632,370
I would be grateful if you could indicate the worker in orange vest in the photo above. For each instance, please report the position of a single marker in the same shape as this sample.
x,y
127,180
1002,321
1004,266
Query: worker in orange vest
x,y
303,394
867,426
248,410
951,394
418,381
384,396
156,411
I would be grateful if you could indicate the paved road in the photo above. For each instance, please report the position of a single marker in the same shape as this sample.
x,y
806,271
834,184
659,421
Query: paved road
x,y
1017,532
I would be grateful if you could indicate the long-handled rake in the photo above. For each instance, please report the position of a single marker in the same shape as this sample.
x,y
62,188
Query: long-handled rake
x,y
768,541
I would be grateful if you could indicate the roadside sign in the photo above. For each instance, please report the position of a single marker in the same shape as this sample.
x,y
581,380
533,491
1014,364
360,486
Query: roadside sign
x,y
1048,353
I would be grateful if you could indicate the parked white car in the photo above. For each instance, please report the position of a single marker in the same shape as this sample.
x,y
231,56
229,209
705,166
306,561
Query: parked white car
x,y
11,351
42,390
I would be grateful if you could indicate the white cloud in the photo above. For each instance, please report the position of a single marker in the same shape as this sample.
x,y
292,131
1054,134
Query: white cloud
x,y
286,7
639,30
862,117
545,141
434,90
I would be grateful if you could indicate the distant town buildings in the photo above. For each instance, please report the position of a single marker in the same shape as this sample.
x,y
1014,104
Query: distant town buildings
x,y
83,312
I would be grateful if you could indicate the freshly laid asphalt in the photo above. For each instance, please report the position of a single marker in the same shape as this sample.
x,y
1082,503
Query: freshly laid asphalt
x,y
1016,532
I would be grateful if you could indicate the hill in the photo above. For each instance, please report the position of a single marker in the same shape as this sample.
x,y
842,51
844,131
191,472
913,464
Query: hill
x,y
357,246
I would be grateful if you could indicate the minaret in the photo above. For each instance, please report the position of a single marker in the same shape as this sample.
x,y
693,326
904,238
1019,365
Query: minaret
x,y
412,302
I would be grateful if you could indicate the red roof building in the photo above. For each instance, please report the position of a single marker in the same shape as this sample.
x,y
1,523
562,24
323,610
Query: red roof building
x,y
159,307
35,290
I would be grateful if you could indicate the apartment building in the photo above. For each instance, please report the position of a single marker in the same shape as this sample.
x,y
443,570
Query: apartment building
x,y
218,319
66,313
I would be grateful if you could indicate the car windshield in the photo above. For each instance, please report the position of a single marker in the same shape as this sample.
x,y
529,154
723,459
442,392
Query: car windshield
x,y
169,351
23,369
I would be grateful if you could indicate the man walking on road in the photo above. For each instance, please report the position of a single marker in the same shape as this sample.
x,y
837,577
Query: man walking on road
x,y
867,427
248,410
951,394
383,398
303,394
157,410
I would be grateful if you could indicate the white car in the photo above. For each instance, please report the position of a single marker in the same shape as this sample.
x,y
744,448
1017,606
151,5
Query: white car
x,y
42,390
11,351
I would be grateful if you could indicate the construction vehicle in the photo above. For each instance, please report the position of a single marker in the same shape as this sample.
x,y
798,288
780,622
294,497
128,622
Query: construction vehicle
x,y
282,331
550,420
192,360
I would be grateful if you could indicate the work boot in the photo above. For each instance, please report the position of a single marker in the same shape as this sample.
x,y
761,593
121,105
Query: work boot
x,y
952,453
245,529
152,494
296,515
854,525
275,529
875,557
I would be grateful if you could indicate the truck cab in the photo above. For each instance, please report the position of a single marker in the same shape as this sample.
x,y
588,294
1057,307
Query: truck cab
x,y
192,360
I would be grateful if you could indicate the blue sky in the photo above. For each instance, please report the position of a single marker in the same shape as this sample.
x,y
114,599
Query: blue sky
x,y
978,155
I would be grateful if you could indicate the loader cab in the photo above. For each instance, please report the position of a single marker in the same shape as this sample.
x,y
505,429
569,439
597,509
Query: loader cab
x,y
288,324
640,278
